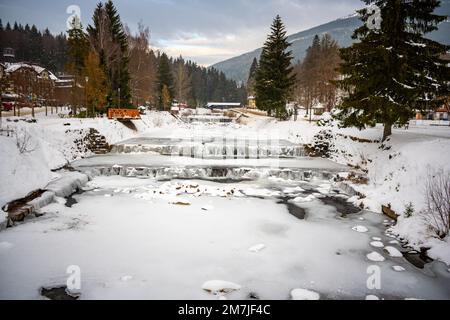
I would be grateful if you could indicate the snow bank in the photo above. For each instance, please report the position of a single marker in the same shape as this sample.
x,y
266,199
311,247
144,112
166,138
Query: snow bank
x,y
3,220
51,145
67,184
440,250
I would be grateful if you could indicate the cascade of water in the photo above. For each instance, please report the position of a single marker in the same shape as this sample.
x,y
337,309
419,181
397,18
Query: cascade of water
x,y
229,173
226,149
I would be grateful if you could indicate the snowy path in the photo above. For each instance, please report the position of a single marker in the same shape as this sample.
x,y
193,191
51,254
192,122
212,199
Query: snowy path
x,y
131,241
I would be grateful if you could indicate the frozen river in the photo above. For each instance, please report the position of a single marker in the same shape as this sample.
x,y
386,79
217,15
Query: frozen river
x,y
153,226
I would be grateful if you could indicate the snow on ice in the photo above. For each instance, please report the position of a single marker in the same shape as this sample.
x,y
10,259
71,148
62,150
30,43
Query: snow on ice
x,y
303,294
375,257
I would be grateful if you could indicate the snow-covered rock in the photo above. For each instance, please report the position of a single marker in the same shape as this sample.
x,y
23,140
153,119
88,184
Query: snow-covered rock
x,y
375,257
304,199
67,184
440,250
360,229
398,268
393,252
304,294
377,244
3,220
220,287
372,298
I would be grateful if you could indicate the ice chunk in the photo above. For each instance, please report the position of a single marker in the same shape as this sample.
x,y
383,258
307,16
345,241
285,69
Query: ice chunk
x,y
303,294
305,199
372,298
293,190
257,248
377,244
393,252
398,268
360,229
219,286
375,257
376,239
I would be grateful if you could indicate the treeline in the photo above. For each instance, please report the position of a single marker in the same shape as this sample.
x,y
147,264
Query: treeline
x,y
159,79
32,45
118,67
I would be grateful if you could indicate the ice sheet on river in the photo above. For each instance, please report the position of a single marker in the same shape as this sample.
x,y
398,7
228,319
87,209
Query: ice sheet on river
x,y
169,251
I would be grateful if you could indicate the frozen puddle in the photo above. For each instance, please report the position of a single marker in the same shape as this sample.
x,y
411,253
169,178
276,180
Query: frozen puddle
x,y
147,239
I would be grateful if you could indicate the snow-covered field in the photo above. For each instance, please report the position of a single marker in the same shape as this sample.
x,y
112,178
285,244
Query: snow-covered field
x,y
143,238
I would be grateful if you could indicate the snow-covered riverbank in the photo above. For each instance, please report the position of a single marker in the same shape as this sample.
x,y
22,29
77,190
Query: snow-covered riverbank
x,y
395,171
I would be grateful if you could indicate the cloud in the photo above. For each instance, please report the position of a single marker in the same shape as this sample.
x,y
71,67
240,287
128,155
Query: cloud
x,y
206,31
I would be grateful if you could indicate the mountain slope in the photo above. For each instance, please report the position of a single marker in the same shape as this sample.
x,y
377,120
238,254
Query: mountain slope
x,y
341,30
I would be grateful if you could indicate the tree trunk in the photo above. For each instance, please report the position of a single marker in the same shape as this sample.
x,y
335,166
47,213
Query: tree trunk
x,y
387,131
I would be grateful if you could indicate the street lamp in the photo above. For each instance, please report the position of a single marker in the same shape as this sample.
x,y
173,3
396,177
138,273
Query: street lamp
x,y
119,97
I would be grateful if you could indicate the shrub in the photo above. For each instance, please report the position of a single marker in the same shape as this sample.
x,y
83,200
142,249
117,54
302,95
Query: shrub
x,y
438,201
23,141
409,210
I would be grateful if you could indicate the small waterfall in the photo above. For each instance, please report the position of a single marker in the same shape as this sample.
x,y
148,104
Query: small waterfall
x,y
211,173
215,149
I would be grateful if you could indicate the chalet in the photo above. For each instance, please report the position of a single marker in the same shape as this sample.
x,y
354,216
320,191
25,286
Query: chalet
x,y
32,84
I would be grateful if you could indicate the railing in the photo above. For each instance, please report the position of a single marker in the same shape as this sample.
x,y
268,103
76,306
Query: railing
x,y
124,114
430,123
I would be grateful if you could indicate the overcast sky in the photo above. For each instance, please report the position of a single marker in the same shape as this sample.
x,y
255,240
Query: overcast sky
x,y
206,31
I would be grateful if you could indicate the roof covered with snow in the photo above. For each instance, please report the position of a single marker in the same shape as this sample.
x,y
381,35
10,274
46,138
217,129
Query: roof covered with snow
x,y
12,67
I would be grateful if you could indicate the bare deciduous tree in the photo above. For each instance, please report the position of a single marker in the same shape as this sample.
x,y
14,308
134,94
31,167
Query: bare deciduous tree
x,y
438,201
23,141
142,66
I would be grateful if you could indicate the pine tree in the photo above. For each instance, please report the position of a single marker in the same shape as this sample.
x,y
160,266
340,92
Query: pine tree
x,y
274,78
77,48
393,71
252,77
108,38
164,79
182,80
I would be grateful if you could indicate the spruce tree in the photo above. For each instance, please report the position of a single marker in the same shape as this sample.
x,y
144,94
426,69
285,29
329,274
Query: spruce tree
x,y
164,79
274,77
393,70
108,38
77,48
252,77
